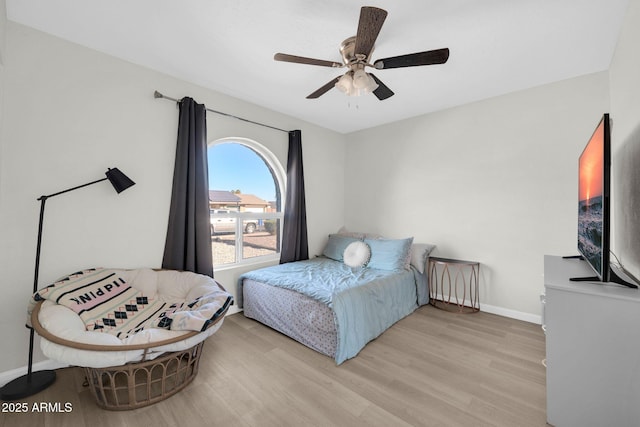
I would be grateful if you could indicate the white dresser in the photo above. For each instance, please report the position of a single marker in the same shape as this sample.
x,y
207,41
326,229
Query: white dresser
x,y
593,348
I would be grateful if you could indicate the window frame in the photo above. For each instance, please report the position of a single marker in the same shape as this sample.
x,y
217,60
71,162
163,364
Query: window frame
x,y
279,176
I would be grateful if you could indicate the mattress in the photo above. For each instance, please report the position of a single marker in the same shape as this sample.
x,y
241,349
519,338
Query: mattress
x,y
304,319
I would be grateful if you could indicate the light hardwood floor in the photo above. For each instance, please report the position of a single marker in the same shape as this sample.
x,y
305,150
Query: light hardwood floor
x,y
432,368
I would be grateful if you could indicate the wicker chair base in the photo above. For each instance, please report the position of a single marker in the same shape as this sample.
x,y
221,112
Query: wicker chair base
x,y
139,384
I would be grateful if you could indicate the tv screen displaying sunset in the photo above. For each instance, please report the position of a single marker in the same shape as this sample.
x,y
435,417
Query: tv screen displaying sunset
x,y
590,204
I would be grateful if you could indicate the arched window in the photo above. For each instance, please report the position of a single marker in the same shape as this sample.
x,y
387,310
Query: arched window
x,y
246,184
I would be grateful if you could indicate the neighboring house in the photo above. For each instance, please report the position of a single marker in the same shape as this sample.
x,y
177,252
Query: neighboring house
x,y
223,200
219,199
251,203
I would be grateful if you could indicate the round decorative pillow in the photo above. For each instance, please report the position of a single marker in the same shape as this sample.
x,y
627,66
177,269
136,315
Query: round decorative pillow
x,y
357,254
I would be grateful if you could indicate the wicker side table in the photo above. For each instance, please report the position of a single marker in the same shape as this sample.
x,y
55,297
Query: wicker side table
x,y
454,284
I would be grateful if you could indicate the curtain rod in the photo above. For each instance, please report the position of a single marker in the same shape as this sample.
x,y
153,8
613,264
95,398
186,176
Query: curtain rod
x,y
157,94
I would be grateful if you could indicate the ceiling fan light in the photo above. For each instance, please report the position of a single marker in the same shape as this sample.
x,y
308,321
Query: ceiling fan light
x,y
360,80
345,84
372,85
363,82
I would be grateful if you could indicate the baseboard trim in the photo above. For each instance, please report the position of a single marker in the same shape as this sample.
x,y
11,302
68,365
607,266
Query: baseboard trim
x,y
233,310
505,312
8,376
513,314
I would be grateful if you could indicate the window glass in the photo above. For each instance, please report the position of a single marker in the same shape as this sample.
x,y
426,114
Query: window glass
x,y
263,241
245,187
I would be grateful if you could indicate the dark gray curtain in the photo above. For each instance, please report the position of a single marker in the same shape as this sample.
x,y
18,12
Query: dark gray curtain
x,y
188,243
294,234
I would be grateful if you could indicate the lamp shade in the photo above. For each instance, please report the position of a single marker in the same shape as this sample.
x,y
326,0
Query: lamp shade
x,y
363,82
345,84
119,180
356,83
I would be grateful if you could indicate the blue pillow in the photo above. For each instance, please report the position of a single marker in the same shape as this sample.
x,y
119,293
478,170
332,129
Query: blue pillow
x,y
336,246
388,254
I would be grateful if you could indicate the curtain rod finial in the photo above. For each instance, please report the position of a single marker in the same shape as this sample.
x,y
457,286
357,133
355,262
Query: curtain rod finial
x,y
157,94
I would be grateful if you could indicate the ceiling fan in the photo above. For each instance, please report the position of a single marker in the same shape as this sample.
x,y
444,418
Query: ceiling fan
x,y
356,52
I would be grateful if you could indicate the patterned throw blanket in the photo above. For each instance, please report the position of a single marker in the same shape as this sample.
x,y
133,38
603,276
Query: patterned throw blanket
x,y
106,303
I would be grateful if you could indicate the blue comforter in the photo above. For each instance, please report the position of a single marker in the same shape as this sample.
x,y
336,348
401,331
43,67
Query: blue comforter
x,y
365,301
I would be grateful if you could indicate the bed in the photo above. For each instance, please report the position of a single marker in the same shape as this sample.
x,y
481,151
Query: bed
x,y
335,303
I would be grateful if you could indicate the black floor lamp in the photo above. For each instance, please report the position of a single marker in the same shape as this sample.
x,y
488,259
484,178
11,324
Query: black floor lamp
x,y
34,382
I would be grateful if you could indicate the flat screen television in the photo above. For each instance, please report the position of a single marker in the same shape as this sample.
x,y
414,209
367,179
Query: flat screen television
x,y
594,187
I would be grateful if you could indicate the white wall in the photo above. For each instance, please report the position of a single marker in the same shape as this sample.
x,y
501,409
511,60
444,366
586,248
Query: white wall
x,y
70,113
625,134
493,181
3,38
3,29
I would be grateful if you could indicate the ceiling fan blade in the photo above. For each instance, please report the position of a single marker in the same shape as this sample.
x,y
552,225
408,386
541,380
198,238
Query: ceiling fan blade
x,y
324,89
430,57
383,92
371,20
302,60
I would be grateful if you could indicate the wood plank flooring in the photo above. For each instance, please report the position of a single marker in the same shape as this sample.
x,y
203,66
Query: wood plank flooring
x,y
432,368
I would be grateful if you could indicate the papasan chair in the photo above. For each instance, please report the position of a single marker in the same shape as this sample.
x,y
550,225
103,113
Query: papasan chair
x,y
138,333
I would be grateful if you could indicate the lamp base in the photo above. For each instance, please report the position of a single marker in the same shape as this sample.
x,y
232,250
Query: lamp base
x,y
27,385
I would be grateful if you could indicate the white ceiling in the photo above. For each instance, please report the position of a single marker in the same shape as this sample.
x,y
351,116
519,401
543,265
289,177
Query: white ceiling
x,y
497,46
